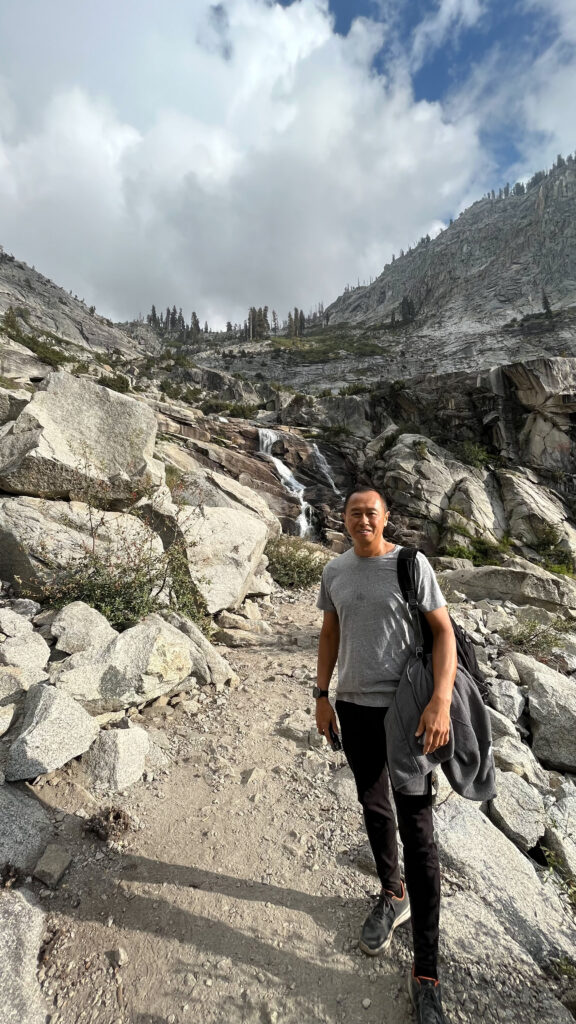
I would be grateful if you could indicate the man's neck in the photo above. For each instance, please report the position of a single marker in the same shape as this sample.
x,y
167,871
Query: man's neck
x,y
373,549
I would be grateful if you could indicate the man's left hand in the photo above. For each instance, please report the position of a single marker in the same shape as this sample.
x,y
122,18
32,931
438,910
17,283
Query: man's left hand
x,y
435,724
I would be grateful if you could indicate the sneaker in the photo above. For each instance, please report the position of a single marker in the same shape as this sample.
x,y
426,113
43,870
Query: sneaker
x,y
378,928
426,997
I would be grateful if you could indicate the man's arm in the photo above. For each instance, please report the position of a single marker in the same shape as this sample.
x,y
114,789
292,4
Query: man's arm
x,y
327,657
435,719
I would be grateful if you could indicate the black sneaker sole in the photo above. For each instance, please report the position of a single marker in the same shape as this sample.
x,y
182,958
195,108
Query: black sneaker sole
x,y
374,951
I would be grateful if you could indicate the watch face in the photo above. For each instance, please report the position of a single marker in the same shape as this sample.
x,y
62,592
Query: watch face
x,y
317,692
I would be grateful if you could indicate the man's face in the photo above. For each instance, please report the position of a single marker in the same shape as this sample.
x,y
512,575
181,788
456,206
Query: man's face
x,y
365,517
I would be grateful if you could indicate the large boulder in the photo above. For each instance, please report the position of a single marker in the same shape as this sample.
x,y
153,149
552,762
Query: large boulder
x,y
39,536
77,626
437,495
215,669
55,729
552,710
26,829
473,849
507,698
12,403
473,939
560,835
74,439
516,580
118,758
199,485
22,648
511,755
21,932
532,510
518,810
144,662
224,547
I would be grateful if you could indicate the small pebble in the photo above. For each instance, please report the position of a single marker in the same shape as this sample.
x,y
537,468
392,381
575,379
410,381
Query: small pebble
x,y
366,1003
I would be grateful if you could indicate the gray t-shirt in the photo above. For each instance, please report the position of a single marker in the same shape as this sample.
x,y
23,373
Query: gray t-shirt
x,y
376,634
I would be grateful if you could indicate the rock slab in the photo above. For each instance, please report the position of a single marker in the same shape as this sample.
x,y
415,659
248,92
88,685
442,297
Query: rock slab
x,y
21,930
118,758
26,829
55,729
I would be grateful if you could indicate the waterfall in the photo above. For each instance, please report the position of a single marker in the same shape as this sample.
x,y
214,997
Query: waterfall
x,y
325,470
304,521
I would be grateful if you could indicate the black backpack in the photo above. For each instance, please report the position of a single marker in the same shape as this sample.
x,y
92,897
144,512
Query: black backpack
x,y
423,634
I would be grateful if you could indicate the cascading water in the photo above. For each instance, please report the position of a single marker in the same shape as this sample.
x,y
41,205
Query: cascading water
x,y
304,522
325,470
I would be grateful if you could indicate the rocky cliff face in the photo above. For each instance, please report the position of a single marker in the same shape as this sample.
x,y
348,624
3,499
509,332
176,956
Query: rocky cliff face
x,y
489,266
52,311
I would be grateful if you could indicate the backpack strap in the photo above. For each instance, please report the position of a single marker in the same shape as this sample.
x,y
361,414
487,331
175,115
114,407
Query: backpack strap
x,y
407,580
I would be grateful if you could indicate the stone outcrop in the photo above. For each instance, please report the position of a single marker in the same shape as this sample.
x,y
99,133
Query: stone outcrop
x,y
21,932
77,626
224,548
147,660
483,267
473,848
516,580
38,536
12,402
118,758
518,810
74,439
26,829
552,710
55,729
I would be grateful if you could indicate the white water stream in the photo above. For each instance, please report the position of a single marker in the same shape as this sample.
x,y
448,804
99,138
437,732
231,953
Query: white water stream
x,y
305,520
325,469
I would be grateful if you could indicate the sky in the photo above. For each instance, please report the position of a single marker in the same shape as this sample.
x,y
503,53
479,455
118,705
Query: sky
x,y
215,156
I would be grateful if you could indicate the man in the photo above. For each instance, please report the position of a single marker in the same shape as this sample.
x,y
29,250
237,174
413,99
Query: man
x,y
367,628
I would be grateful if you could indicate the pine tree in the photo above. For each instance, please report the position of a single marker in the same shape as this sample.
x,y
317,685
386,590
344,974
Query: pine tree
x,y
290,325
275,324
302,324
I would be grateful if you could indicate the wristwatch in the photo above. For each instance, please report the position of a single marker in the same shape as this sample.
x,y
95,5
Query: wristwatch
x,y
317,692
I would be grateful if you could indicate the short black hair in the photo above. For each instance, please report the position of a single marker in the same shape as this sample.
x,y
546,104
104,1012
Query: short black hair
x,y
363,489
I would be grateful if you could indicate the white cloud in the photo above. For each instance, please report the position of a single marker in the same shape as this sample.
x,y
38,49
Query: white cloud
x,y
450,18
275,167
218,157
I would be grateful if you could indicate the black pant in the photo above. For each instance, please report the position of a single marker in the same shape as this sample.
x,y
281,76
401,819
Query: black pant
x,y
364,742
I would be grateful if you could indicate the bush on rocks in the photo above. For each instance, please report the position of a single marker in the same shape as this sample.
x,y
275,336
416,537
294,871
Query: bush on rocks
x,y
128,581
295,563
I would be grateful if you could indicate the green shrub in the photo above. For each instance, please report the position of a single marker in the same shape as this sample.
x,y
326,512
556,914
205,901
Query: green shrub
x,y
555,557
456,551
354,389
41,347
173,475
295,563
127,582
242,410
421,449
116,383
531,637
471,453
171,390
214,405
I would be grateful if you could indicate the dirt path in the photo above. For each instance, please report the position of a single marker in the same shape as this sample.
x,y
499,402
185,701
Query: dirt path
x,y
239,897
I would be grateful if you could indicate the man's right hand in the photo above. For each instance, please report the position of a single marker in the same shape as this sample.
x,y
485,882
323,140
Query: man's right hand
x,y
325,717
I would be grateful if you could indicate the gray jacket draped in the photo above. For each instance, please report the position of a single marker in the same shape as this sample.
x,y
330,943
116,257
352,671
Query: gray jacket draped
x,y
466,759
